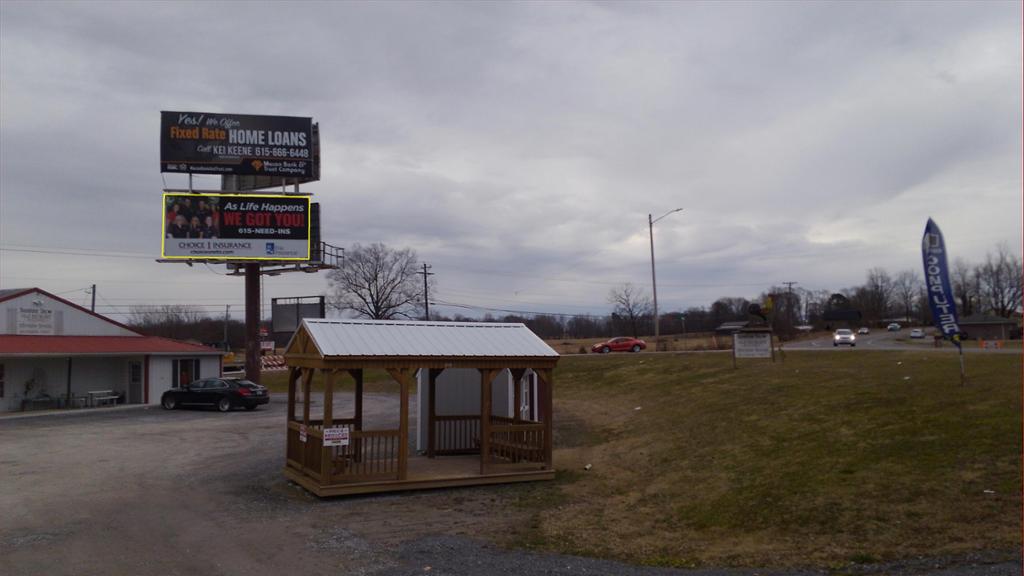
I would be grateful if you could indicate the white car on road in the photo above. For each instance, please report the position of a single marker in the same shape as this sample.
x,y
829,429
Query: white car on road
x,y
844,336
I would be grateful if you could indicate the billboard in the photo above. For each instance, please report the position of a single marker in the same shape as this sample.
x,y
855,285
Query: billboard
x,y
235,227
244,183
239,144
287,313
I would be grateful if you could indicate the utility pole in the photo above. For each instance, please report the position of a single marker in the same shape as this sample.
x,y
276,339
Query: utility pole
x,y
227,316
426,298
654,280
93,308
654,284
789,297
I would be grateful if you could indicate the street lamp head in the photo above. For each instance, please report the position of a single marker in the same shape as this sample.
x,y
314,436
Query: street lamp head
x,y
653,220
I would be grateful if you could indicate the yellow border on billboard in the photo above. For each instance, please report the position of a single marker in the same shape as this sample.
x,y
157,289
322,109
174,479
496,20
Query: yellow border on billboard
x,y
163,226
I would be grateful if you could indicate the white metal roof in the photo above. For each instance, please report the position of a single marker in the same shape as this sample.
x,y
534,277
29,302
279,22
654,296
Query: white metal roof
x,y
412,338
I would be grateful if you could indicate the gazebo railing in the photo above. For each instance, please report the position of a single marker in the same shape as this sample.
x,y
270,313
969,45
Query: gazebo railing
x,y
370,455
458,434
517,441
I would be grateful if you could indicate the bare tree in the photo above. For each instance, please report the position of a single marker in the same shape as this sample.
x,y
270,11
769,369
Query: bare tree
x,y
377,282
179,321
630,303
965,287
906,287
876,294
1000,281
164,315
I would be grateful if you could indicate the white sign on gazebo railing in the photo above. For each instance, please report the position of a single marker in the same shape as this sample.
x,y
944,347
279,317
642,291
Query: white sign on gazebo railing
x,y
337,436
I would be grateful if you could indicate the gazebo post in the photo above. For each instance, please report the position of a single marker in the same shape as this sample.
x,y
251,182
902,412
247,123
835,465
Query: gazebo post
x,y
546,378
517,392
403,378
307,385
307,380
357,375
485,419
293,377
432,375
403,427
325,451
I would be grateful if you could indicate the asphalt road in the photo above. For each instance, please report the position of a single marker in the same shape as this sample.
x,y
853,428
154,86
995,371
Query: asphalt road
x,y
885,340
143,491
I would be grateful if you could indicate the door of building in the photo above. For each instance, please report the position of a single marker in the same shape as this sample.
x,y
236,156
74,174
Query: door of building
x,y
134,382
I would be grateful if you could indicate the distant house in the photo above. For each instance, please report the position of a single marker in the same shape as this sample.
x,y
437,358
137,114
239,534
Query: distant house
x,y
729,328
842,317
985,327
56,354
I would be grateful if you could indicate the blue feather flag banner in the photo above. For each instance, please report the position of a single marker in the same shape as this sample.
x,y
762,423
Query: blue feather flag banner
x,y
936,280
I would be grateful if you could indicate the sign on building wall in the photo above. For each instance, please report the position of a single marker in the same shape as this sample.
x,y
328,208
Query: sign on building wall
x,y
239,144
235,227
32,321
752,344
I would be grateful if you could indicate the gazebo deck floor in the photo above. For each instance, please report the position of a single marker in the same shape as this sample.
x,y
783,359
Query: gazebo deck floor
x,y
427,473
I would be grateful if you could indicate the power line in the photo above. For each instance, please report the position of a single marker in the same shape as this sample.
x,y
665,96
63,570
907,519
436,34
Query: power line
x,y
97,254
486,272
533,313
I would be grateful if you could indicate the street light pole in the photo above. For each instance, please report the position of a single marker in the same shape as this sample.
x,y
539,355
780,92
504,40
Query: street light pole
x,y
654,280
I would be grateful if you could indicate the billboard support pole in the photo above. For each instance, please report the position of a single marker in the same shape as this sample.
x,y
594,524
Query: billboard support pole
x,y
252,322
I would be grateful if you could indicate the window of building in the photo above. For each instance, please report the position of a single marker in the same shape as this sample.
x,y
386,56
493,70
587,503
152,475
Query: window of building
x,y
186,370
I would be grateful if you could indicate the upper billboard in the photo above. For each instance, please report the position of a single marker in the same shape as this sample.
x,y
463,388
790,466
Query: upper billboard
x,y
235,227
238,144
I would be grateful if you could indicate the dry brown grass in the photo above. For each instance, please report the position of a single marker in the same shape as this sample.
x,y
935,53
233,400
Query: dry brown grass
x,y
827,459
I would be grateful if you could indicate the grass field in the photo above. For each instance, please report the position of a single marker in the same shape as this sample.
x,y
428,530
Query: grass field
x,y
672,343
824,460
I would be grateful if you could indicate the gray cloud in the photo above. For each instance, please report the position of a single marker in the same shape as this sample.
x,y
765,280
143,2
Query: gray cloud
x,y
520,147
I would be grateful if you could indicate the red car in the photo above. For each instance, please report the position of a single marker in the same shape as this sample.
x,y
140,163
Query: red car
x,y
622,344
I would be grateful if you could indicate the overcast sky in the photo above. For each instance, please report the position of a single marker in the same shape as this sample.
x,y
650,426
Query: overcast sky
x,y
520,147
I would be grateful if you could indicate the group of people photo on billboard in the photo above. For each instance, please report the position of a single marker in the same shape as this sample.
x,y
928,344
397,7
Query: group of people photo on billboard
x,y
189,217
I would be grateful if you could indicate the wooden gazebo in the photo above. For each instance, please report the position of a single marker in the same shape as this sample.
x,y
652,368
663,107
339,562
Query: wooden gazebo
x,y
358,457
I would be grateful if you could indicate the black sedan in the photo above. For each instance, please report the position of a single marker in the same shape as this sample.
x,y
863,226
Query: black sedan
x,y
222,393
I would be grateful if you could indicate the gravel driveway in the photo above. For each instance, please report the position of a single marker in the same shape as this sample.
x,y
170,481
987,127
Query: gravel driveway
x,y
143,491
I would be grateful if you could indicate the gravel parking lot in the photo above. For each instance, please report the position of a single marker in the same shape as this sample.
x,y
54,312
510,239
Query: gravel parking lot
x,y
145,491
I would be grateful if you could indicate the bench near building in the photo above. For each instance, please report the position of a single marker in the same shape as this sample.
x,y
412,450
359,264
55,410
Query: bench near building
x,y
484,417
56,354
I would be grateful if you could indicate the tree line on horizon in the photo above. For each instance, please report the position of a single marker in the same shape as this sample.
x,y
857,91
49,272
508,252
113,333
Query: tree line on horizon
x,y
380,282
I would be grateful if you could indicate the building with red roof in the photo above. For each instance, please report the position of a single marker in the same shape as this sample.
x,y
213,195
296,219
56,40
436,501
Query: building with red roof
x,y
55,354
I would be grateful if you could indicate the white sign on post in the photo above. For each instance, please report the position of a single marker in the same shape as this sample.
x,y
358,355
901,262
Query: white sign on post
x,y
336,436
752,344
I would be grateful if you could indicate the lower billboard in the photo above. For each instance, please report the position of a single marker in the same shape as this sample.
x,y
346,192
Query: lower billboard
x,y
235,227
